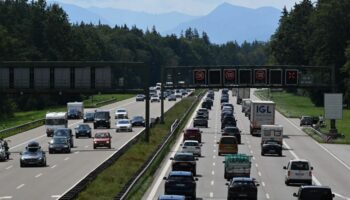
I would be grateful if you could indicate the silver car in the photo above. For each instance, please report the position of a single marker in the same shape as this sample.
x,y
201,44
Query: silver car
x,y
123,125
192,146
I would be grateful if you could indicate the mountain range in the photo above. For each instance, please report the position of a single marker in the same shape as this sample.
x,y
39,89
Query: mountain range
x,y
225,23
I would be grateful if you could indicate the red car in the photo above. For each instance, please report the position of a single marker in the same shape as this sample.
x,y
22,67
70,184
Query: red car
x,y
193,134
102,139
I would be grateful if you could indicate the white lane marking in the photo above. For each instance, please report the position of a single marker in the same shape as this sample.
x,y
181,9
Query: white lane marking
x,y
212,173
267,196
70,125
20,186
259,173
341,196
9,167
249,146
256,165
213,163
6,197
324,148
55,196
251,151
214,157
214,144
253,157
212,182
76,152
214,150
53,166
263,184
67,158
38,175
168,163
211,195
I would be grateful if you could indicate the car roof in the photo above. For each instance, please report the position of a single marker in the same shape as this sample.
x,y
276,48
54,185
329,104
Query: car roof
x,y
33,143
298,160
184,153
179,197
314,186
243,179
191,141
192,129
180,173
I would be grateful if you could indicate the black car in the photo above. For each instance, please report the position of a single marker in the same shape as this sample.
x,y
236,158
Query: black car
x,y
224,91
314,192
228,121
306,120
59,144
271,147
226,113
204,112
89,117
102,119
200,120
242,188
137,121
184,162
65,132
83,130
140,97
206,104
180,183
211,95
33,155
224,100
74,114
227,104
232,131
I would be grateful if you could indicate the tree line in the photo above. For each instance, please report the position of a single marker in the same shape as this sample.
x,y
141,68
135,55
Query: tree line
x,y
316,34
38,31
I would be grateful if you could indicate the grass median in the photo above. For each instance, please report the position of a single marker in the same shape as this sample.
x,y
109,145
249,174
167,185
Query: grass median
x,y
112,180
294,106
21,118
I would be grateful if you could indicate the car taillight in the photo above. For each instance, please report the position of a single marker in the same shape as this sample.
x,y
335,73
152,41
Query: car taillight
x,y
288,173
107,142
310,173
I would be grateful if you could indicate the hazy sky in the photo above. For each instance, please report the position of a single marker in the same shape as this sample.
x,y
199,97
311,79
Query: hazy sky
x,y
192,7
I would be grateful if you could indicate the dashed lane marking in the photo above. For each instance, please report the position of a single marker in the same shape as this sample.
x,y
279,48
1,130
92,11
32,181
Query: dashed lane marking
x,y
256,165
6,197
20,186
38,175
211,195
53,166
67,158
213,173
212,182
213,163
259,173
263,184
267,196
9,167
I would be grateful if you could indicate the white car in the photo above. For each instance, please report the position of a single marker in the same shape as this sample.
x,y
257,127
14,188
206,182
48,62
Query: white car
x,y
155,98
192,146
121,113
298,171
123,125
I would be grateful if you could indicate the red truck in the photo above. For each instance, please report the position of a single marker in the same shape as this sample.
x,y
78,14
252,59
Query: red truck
x,y
193,134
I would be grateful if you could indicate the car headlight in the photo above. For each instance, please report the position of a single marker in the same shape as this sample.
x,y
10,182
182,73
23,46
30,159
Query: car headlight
x,y
65,146
88,131
107,142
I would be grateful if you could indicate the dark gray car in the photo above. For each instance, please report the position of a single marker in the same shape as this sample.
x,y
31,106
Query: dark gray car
x,y
33,155
65,132
59,144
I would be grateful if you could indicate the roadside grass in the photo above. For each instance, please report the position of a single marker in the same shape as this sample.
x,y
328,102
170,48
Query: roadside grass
x,y
111,181
294,106
21,118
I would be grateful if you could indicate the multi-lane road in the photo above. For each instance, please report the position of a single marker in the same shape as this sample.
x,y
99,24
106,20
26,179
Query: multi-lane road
x,y
331,163
63,171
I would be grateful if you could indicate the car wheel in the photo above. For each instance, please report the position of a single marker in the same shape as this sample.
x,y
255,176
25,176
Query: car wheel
x,y
44,164
310,182
280,153
50,151
21,164
94,126
90,136
219,154
262,153
94,147
76,136
116,130
286,182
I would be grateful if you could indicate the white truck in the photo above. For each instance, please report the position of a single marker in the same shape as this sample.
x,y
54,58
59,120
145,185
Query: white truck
x,y
242,93
75,110
54,121
237,165
261,113
272,132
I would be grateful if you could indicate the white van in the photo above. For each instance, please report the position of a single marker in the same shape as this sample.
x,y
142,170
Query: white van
x,y
272,132
54,121
298,171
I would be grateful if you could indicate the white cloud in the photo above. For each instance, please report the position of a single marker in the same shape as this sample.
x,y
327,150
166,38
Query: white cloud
x,y
192,7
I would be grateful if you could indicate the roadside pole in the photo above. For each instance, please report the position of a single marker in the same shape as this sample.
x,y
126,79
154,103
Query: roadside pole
x,y
147,103
162,95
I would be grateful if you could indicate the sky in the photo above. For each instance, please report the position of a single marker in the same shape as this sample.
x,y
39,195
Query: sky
x,y
191,7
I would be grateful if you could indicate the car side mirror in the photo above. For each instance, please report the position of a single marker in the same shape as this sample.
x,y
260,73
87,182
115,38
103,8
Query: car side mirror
x,y
295,194
171,158
257,184
196,179
164,178
333,195
284,167
217,142
312,168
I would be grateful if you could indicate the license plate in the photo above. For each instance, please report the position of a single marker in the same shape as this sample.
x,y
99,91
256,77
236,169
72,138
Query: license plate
x,y
180,185
242,195
299,174
183,164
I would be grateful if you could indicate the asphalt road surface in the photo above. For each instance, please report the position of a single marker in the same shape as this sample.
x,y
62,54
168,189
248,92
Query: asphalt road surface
x,y
63,171
329,167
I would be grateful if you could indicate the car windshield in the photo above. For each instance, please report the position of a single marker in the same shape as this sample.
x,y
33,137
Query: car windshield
x,y
101,135
30,151
182,157
300,166
83,126
55,121
101,115
123,122
180,178
138,118
316,194
61,133
121,110
189,131
231,130
243,183
191,144
228,140
89,114
59,140
271,142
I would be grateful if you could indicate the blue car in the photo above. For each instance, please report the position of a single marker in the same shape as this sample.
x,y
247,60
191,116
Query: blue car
x,y
181,183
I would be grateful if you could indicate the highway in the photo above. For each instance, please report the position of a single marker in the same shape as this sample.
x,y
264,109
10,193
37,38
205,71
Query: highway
x,y
329,167
63,171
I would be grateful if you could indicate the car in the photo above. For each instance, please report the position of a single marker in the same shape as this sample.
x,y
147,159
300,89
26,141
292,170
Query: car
x,y
83,130
314,192
224,91
203,110
181,183
192,146
172,97
184,162
228,121
232,131
138,121
306,120
227,145
298,171
183,92
271,147
227,104
33,155
89,117
65,132
74,114
192,134
102,139
224,100
178,94
4,151
140,97
59,144
226,113
242,188
171,197
200,120
121,113
155,98
102,119
123,125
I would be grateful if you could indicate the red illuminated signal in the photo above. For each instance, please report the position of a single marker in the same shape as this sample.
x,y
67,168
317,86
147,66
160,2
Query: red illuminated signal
x,y
291,76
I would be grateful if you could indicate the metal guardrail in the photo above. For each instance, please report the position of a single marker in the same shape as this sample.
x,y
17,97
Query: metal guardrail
x,y
131,183
23,127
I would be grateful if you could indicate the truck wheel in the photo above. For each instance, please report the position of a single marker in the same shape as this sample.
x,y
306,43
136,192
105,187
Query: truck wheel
x,y
280,153
94,126
262,153
21,164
